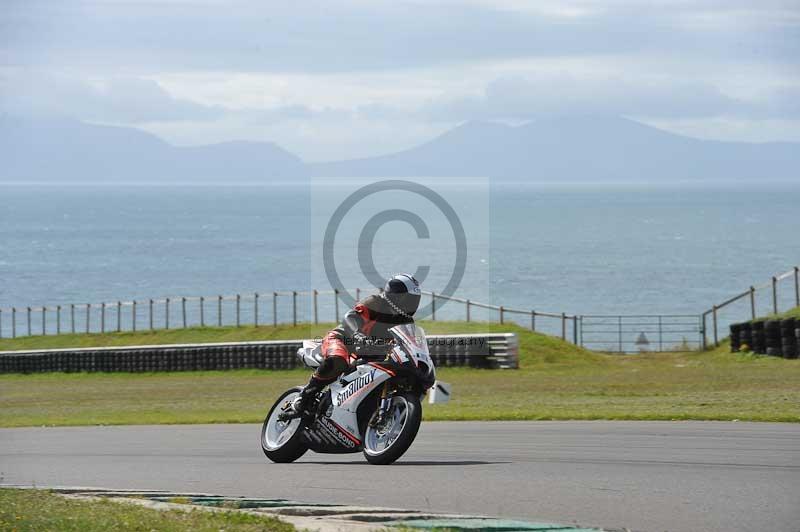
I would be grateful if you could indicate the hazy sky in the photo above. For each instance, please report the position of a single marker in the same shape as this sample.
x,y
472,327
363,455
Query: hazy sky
x,y
331,80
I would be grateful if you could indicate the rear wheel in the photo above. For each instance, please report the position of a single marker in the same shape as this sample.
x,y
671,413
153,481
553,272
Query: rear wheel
x,y
282,441
386,442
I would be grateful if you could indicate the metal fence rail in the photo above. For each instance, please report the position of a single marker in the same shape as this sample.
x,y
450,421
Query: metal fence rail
x,y
258,308
316,306
780,293
641,333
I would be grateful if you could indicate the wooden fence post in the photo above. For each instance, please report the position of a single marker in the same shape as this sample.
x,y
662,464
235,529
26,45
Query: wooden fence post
x,y
774,295
575,330
563,326
714,324
703,330
238,302
502,317
753,302
255,309
796,286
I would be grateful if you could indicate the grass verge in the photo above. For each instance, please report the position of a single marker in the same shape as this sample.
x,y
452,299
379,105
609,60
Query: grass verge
x,y
33,510
557,380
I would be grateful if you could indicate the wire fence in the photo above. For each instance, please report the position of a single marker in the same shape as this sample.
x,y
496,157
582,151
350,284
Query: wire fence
x,y
780,293
641,333
254,309
615,333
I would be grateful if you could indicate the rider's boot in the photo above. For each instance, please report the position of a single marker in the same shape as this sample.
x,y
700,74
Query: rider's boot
x,y
303,402
326,373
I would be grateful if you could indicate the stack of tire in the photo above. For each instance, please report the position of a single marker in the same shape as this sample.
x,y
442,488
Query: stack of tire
x,y
446,354
774,337
789,336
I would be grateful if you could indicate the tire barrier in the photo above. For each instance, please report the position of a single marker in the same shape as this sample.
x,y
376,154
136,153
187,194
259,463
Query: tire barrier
x,y
736,338
758,337
192,357
774,337
745,336
490,351
789,338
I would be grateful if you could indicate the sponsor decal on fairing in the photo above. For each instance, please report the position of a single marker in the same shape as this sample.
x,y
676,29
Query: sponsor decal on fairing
x,y
332,429
356,385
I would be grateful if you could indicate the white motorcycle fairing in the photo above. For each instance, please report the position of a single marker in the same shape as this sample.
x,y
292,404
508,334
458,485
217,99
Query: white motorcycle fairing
x,y
337,429
311,353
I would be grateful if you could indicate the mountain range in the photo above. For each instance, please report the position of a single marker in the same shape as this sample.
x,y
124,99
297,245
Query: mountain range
x,y
71,151
560,149
578,149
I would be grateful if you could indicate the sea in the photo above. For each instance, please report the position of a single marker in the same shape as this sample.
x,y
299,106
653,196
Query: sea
x,y
579,249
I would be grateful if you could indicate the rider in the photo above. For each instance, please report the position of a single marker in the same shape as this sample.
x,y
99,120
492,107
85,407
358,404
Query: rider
x,y
367,326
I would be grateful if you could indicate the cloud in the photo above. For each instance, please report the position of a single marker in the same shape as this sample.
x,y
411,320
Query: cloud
x,y
142,100
363,76
124,100
517,98
783,102
320,36
290,113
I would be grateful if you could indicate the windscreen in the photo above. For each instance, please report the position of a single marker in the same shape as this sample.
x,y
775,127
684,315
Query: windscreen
x,y
412,336
412,341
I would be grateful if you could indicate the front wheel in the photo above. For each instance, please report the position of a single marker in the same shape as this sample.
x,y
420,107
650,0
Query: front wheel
x,y
386,442
282,441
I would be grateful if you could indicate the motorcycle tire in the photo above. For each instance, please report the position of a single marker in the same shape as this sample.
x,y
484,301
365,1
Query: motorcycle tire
x,y
408,432
291,449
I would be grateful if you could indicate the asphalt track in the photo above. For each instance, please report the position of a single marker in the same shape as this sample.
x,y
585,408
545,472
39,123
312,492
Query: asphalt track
x,y
652,476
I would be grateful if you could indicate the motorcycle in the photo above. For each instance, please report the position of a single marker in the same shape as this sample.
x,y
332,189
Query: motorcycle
x,y
374,407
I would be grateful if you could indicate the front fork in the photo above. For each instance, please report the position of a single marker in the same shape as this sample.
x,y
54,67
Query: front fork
x,y
386,404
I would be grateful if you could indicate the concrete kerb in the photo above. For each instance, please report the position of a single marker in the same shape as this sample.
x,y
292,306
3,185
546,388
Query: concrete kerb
x,y
306,516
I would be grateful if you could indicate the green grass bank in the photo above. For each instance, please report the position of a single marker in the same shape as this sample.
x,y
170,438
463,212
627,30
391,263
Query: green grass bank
x,y
36,510
556,380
